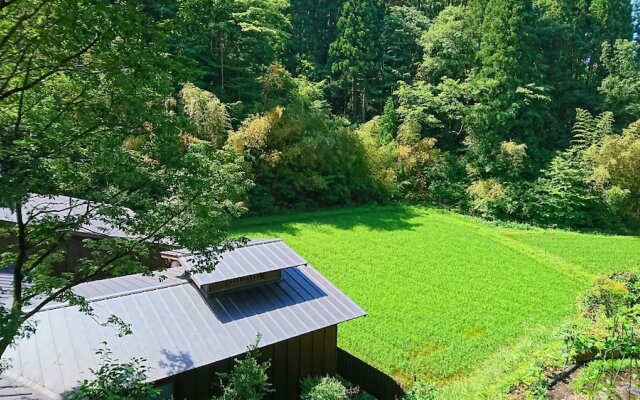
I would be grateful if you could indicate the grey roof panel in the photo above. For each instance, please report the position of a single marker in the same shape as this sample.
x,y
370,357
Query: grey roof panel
x,y
38,206
257,257
177,329
12,389
6,286
97,290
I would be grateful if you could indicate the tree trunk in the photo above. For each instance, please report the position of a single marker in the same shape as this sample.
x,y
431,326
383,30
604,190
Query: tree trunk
x,y
222,64
21,258
11,323
364,103
354,98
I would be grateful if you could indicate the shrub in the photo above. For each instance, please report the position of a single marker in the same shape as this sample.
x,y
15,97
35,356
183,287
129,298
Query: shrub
x,y
611,311
606,297
616,171
114,380
562,196
323,388
248,380
488,197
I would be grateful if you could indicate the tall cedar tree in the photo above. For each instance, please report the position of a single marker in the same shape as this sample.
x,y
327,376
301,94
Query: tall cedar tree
x,y
510,103
614,19
402,28
567,45
314,28
355,53
232,42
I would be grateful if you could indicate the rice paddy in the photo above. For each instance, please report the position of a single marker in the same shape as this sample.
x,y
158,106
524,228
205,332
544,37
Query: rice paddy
x,y
444,293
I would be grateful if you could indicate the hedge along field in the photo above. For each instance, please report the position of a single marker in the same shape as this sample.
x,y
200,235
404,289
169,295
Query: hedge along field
x,y
444,292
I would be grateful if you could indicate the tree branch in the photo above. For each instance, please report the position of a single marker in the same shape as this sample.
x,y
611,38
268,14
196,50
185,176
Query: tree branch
x,y
49,73
20,21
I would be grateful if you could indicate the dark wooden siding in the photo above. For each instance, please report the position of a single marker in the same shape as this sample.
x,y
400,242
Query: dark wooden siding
x,y
312,354
367,377
75,250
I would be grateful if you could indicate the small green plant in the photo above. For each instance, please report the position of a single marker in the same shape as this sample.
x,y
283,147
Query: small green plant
x,y
602,376
608,295
248,380
423,391
116,381
323,388
607,335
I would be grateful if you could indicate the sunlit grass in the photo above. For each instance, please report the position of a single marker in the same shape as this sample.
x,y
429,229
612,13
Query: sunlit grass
x,y
444,293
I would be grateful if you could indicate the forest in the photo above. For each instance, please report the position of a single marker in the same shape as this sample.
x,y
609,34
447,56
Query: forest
x,y
514,110
519,110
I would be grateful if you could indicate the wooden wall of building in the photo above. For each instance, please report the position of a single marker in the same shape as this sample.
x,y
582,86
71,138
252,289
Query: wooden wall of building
x,y
312,354
75,250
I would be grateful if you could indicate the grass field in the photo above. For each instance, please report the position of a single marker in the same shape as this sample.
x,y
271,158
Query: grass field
x,y
448,297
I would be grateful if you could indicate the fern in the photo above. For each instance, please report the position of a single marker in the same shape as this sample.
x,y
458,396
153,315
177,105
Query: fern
x,y
604,126
589,130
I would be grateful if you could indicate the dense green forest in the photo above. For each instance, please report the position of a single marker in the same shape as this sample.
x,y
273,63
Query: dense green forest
x,y
521,110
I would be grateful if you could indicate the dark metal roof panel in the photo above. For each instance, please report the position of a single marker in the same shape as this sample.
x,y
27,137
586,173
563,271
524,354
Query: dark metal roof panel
x,y
176,329
257,257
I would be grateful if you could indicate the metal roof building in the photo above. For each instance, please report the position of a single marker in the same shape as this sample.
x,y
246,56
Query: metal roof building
x,y
185,321
86,220
38,206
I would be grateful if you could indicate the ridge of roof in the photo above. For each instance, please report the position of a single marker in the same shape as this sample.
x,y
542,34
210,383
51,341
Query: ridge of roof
x,y
251,243
60,206
36,390
119,286
118,294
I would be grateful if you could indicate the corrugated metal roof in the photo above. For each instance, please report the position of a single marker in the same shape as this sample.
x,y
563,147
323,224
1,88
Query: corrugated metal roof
x,y
64,207
176,329
258,256
12,390
100,289
6,284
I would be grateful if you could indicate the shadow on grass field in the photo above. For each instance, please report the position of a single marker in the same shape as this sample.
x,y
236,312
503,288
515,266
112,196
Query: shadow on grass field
x,y
374,218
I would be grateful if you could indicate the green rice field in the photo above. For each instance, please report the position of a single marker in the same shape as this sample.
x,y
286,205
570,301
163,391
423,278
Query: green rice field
x,y
449,299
